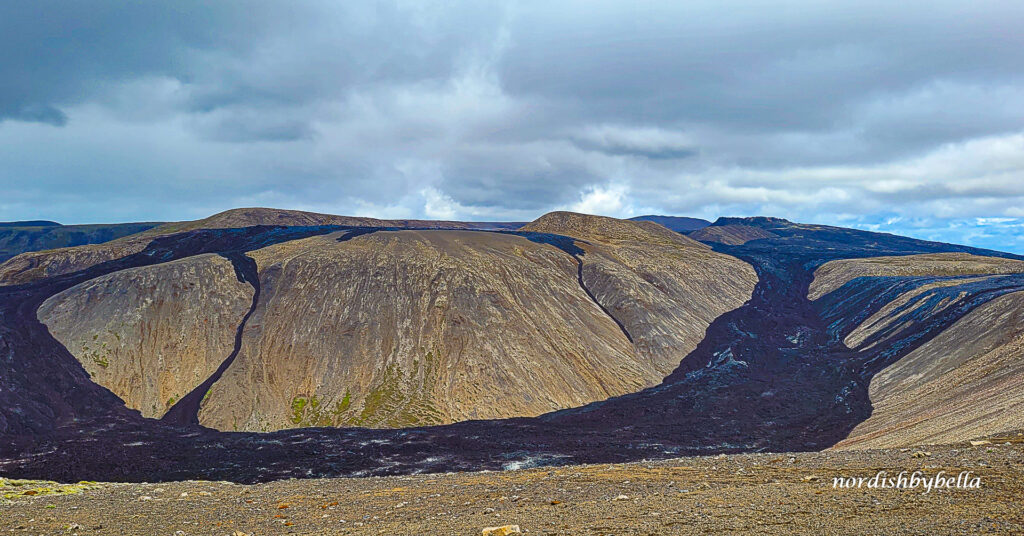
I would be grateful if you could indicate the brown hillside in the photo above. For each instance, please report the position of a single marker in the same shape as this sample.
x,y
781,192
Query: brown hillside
x,y
39,264
399,328
152,334
733,235
965,383
835,274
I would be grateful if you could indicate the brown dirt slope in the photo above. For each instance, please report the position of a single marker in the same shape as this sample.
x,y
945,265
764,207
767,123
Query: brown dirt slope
x,y
966,382
402,328
419,327
731,234
36,265
423,327
663,287
151,334
835,274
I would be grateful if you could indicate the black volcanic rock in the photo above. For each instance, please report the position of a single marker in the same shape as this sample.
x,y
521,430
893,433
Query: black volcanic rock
x,y
772,375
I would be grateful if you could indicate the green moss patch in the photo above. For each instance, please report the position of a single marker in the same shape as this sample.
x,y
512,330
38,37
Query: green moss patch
x,y
19,489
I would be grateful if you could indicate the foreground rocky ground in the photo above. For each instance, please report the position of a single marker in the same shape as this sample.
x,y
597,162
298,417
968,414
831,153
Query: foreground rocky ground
x,y
746,493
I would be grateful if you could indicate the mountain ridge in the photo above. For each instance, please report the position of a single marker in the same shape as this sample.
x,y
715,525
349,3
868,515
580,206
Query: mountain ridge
x,y
771,374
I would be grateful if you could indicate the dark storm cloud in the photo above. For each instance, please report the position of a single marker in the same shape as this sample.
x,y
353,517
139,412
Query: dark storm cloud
x,y
822,111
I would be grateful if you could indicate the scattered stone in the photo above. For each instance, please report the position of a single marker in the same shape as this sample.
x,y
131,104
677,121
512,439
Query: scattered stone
x,y
811,478
921,454
503,530
621,498
145,498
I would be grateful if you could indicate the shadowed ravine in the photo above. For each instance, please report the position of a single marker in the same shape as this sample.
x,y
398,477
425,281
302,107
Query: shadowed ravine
x,y
583,286
771,375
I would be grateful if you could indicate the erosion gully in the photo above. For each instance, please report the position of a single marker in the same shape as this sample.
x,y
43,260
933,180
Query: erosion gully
x,y
186,410
771,375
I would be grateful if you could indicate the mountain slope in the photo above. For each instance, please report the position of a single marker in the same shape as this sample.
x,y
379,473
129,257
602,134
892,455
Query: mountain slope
x,y
662,287
151,334
33,266
382,328
967,382
22,237
835,274
679,224
419,327
776,373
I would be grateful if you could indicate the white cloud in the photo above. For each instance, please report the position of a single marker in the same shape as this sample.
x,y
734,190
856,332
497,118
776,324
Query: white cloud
x,y
876,115
437,205
611,200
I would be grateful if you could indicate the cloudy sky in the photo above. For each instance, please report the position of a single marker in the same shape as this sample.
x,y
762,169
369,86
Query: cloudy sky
x,y
899,116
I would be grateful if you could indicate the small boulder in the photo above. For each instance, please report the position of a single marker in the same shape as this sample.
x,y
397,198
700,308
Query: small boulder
x,y
503,530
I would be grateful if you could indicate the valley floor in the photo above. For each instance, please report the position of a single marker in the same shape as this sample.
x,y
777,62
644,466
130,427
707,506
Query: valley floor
x,y
748,494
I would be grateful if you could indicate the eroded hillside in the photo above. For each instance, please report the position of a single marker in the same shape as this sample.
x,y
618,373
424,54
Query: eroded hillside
x,y
776,373
404,328
964,382
35,265
663,287
837,273
151,334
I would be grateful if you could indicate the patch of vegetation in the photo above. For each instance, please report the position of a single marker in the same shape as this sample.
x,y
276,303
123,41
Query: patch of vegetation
x,y
307,411
100,353
397,400
298,408
20,489
345,402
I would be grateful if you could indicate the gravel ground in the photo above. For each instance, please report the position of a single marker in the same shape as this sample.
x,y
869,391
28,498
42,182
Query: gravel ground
x,y
748,494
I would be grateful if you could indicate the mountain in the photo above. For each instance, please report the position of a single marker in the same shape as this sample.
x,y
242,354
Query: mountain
x,y
962,383
679,224
33,265
24,236
733,232
402,328
29,223
571,339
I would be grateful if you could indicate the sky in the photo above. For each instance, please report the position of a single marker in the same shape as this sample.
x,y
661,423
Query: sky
x,y
904,117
